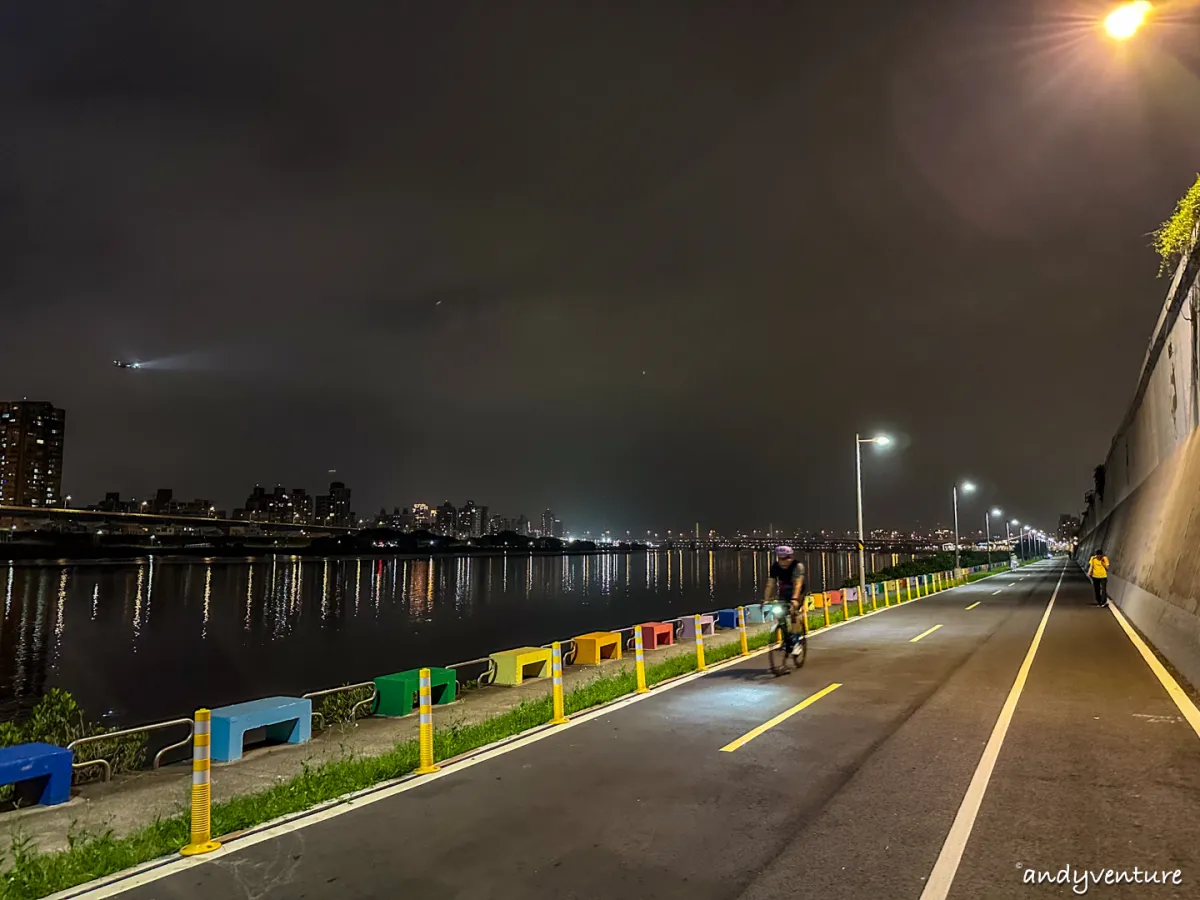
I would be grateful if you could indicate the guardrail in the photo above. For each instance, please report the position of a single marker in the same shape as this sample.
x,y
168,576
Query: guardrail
x,y
345,689
569,652
141,729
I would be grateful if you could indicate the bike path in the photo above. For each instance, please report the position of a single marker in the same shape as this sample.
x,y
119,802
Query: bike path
x,y
642,799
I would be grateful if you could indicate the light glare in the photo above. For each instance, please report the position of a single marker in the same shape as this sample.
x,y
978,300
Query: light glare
x,y
1124,21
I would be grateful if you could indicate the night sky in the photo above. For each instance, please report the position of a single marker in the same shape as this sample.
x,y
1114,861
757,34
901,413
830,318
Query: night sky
x,y
647,264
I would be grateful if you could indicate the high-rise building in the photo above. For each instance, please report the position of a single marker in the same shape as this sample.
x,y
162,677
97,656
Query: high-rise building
x,y
469,524
1068,527
422,516
523,525
447,520
557,529
31,453
547,524
334,508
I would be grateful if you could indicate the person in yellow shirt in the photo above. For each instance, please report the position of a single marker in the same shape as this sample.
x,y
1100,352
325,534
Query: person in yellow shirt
x,y
1097,570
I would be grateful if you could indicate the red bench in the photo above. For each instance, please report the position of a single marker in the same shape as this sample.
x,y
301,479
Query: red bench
x,y
657,634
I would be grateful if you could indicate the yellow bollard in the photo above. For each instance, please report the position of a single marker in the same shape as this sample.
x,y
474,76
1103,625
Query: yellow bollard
x,y
639,660
699,644
424,695
825,607
804,601
908,586
201,837
742,630
560,715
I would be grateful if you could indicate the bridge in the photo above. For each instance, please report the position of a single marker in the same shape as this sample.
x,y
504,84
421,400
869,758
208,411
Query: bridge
x,y
969,744
59,517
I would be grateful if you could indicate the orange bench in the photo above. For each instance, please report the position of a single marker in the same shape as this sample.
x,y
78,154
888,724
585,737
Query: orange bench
x,y
595,647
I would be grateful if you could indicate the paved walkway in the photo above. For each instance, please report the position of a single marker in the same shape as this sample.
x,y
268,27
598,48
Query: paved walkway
x,y
865,791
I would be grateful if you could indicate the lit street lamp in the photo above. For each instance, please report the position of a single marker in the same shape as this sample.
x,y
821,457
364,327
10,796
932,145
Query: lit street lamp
x,y
987,527
882,440
1124,21
967,488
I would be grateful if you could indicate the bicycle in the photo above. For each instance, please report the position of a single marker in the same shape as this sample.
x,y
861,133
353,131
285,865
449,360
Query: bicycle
x,y
784,645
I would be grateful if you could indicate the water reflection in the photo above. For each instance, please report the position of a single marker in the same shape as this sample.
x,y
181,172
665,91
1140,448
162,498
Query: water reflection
x,y
287,625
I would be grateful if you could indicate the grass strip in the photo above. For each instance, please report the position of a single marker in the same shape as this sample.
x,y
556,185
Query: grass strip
x,y
89,856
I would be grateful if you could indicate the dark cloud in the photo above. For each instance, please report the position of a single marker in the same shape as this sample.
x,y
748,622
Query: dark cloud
x,y
436,247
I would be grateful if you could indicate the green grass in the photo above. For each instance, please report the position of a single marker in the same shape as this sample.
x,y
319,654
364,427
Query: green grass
x,y
34,874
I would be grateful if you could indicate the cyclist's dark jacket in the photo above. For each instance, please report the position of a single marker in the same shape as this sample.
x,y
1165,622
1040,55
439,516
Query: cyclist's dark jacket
x,y
787,576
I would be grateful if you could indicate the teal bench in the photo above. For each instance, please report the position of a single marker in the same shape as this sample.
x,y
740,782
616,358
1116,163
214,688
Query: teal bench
x,y
397,691
285,719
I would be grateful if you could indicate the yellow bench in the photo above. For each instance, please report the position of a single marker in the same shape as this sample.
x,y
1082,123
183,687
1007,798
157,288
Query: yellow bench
x,y
514,666
596,646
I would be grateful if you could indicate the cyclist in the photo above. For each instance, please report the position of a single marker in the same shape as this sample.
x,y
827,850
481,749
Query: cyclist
x,y
786,581
1097,570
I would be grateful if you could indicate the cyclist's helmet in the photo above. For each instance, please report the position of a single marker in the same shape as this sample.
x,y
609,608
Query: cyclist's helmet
x,y
783,551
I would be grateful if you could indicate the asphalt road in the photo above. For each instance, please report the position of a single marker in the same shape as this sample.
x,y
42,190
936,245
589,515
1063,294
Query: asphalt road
x,y
852,796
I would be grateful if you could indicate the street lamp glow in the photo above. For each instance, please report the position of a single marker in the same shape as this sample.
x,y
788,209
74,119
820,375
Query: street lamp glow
x,y
996,511
1124,21
968,487
882,440
1015,522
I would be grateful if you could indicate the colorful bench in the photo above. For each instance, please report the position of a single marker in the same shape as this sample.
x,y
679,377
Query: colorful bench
x,y
285,719
818,601
727,618
514,666
707,626
657,634
754,614
398,691
595,647
835,598
41,772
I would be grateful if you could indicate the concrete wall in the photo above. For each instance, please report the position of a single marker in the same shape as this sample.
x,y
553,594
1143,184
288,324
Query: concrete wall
x,y
1148,520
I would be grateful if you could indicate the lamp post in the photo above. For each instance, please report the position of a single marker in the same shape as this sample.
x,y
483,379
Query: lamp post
x,y
967,488
882,440
987,526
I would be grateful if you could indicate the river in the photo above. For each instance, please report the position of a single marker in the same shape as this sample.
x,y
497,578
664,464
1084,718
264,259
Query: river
x,y
140,642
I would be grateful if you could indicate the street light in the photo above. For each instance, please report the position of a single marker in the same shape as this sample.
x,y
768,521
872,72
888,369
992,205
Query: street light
x,y
987,527
882,440
1124,21
967,488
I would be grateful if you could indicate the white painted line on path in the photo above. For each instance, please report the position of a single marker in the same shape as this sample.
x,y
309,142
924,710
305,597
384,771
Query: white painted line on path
x,y
946,867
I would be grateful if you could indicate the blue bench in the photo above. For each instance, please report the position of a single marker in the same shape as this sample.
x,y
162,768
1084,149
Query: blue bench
x,y
754,614
41,772
727,618
285,719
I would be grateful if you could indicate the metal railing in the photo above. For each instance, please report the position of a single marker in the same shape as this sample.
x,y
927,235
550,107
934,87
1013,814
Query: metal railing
x,y
141,729
485,678
366,702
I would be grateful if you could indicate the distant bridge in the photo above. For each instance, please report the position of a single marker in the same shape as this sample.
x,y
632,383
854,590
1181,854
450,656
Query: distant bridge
x,y
56,517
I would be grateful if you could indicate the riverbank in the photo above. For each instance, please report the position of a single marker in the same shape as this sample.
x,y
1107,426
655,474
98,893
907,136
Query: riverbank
x,y
104,829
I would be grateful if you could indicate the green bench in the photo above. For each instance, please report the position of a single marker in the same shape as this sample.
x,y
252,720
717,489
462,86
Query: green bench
x,y
398,692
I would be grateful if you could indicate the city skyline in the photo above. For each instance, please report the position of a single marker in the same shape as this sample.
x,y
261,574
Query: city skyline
x,y
499,294
302,507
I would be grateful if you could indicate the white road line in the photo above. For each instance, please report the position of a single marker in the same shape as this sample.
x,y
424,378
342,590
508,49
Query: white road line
x,y
946,867
994,593
1182,700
